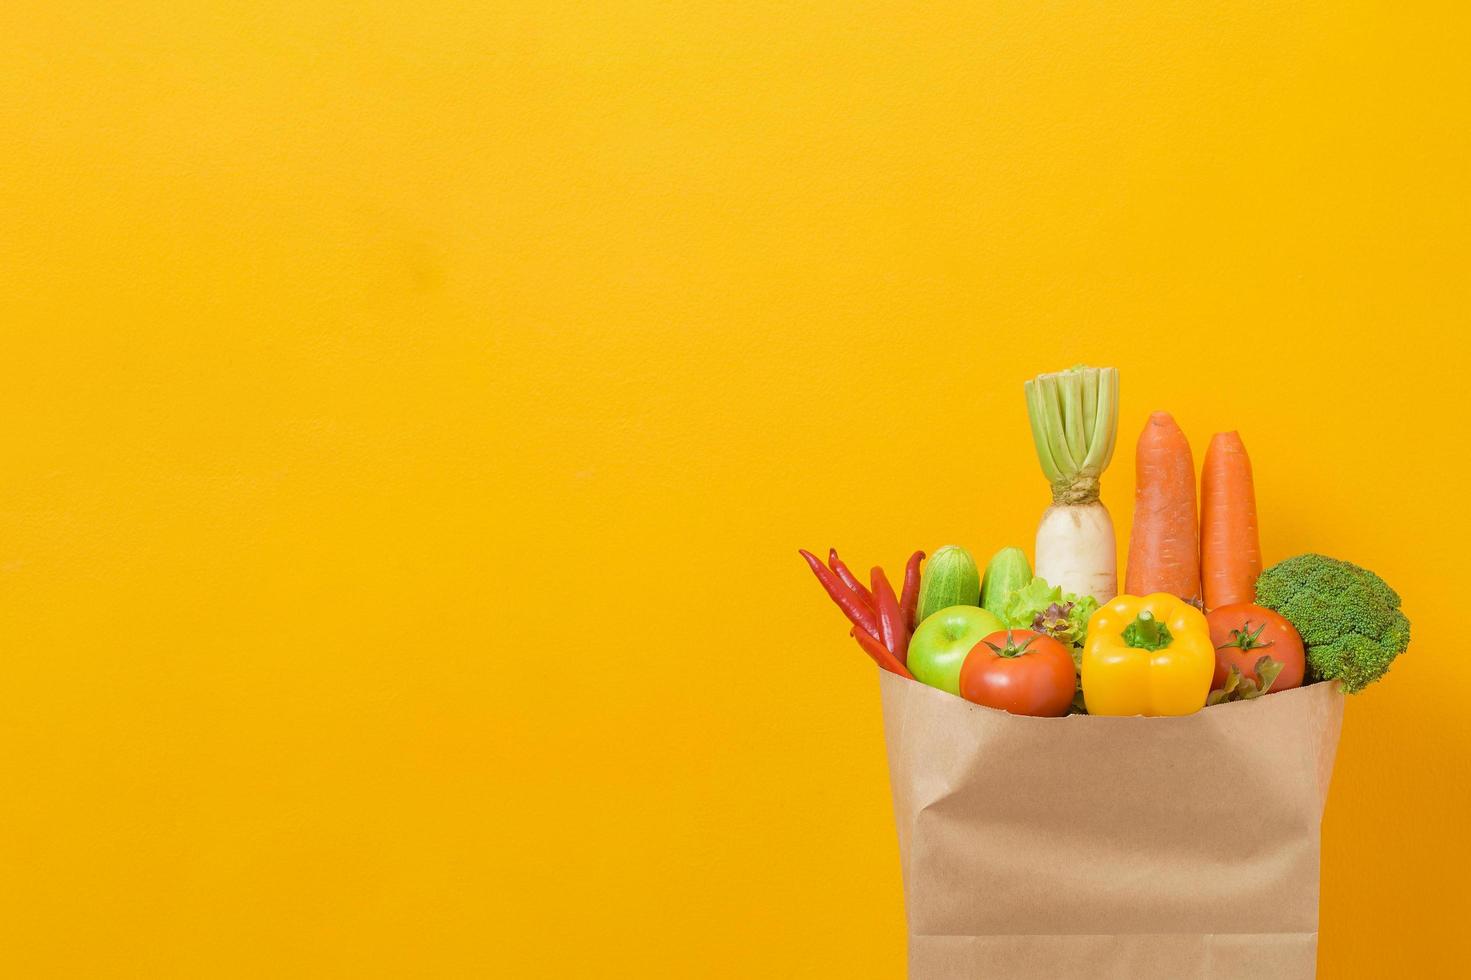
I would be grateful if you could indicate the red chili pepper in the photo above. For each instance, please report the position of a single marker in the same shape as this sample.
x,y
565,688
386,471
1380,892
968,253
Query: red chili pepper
x,y
909,599
892,629
880,656
857,613
849,579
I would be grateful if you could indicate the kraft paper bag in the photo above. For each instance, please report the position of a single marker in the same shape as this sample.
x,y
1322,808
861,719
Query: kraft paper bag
x,y
1131,848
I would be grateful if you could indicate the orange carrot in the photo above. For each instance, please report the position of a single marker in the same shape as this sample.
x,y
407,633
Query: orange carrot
x,y
1230,550
1164,548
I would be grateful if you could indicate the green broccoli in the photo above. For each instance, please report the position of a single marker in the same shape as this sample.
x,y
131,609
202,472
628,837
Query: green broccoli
x,y
1349,618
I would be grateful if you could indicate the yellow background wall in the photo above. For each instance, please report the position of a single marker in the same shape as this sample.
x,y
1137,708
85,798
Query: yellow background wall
x,y
411,412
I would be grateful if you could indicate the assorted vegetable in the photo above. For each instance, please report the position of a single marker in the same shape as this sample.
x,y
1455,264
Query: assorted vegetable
x,y
909,598
1006,572
1020,671
1164,545
893,626
1047,609
1244,687
858,607
1350,620
1244,636
881,628
1075,418
951,578
1199,624
841,571
1147,655
1230,550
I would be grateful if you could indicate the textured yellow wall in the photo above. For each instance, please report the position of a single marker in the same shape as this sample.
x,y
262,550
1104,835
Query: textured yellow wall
x,y
411,412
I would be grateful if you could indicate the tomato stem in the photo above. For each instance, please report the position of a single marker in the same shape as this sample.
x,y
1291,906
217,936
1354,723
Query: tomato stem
x,y
1245,639
1011,649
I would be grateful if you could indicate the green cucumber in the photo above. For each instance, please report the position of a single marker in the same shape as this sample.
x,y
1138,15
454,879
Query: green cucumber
x,y
950,578
1007,572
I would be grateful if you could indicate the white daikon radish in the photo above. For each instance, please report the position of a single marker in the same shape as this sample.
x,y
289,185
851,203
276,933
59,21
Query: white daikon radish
x,y
1075,416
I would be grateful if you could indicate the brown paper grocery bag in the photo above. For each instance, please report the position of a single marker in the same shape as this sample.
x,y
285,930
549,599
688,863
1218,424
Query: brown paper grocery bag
x,y
1136,848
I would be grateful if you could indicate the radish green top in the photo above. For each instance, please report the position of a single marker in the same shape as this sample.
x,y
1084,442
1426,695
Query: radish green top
x,y
1075,419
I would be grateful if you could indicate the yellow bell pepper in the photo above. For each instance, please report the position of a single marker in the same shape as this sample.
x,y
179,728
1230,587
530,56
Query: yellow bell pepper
x,y
1147,656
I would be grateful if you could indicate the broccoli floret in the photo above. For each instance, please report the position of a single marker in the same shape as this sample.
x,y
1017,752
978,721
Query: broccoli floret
x,y
1349,618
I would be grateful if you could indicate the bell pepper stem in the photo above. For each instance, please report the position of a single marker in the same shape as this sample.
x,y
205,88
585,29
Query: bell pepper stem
x,y
1147,633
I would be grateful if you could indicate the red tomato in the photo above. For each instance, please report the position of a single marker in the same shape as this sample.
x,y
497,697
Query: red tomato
x,y
1243,633
1019,671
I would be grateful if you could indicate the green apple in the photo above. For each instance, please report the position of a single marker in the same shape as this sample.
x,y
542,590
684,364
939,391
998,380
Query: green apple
x,y
940,644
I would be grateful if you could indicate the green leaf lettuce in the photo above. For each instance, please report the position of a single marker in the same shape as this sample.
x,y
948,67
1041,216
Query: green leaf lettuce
x,y
1047,609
